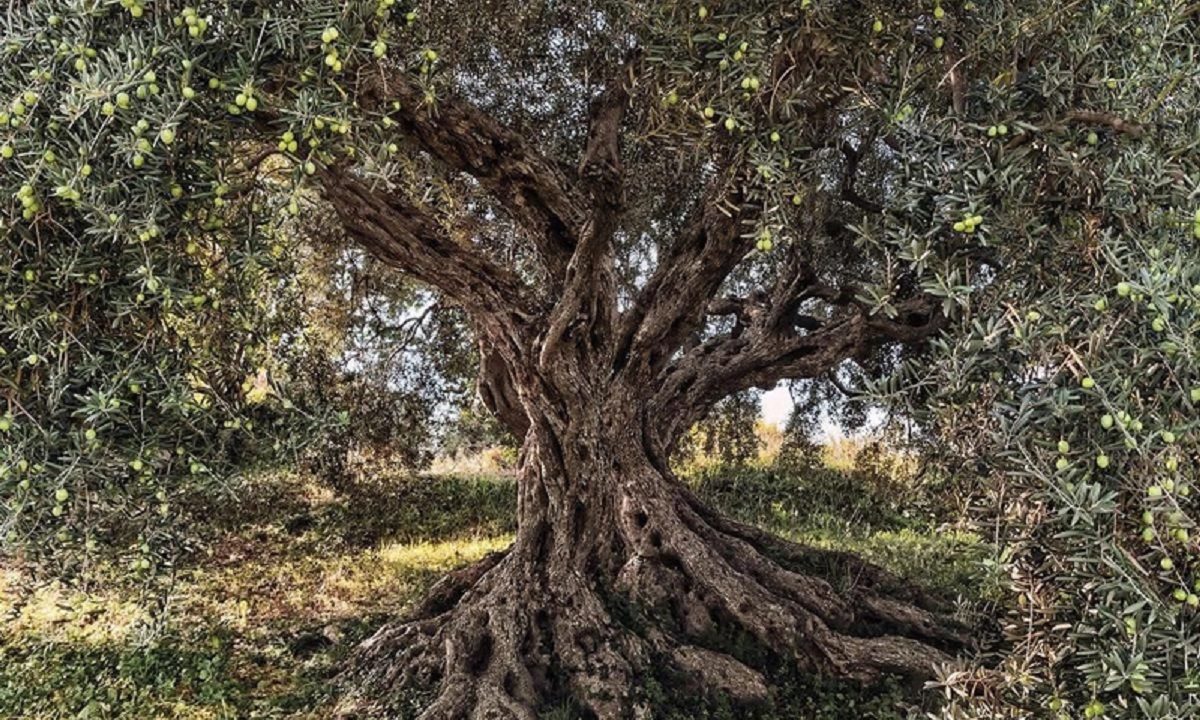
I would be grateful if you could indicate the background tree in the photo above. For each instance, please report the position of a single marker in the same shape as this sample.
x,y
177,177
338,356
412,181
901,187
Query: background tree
x,y
639,209
728,434
397,365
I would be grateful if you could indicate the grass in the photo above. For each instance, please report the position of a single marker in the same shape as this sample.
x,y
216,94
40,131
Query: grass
x,y
861,512
295,573
290,578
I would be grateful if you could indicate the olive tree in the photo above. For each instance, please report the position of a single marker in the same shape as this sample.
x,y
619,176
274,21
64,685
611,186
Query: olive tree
x,y
1068,389
639,208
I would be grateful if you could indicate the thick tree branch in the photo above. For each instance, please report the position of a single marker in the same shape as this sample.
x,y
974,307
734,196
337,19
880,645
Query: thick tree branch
x,y
746,311
530,186
1083,117
589,299
601,169
769,353
672,304
406,236
849,180
1117,123
498,392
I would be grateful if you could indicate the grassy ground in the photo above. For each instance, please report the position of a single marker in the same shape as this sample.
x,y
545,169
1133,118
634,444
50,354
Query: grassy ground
x,y
294,574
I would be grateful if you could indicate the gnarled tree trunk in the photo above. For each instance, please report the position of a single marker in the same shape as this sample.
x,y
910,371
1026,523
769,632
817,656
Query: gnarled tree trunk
x,y
617,568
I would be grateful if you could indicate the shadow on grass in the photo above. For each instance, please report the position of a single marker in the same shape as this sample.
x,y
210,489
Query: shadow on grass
x,y
358,513
422,507
848,510
203,673
55,679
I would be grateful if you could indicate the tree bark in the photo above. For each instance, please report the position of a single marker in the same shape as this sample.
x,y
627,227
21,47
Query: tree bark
x,y
618,569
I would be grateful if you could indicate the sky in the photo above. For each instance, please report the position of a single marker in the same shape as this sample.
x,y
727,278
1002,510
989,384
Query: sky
x,y
777,405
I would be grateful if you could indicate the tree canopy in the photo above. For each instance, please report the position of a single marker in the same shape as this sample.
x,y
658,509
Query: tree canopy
x,y
637,210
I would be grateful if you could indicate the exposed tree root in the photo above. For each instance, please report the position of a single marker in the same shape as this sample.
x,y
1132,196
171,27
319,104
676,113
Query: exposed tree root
x,y
499,639
500,651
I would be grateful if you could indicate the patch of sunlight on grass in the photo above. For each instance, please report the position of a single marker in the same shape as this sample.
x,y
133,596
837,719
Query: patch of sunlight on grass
x,y
320,588
57,613
9,578
489,461
441,556
291,562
